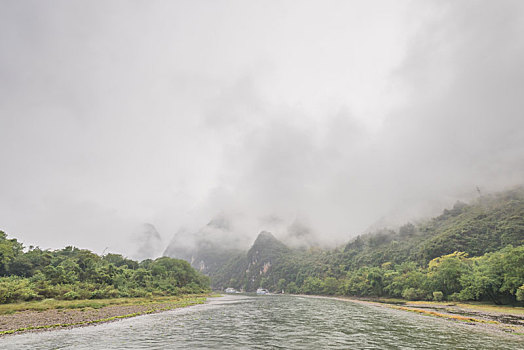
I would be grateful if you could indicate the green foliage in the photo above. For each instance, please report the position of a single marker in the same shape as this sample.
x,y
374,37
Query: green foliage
x,y
413,294
486,225
495,276
9,250
72,295
330,286
520,293
16,289
470,252
73,273
292,288
445,272
438,296
312,285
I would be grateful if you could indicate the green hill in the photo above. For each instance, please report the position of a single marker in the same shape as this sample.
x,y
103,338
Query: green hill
x,y
486,225
412,262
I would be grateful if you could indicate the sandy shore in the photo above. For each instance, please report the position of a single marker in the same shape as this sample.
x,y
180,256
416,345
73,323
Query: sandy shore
x,y
31,320
491,318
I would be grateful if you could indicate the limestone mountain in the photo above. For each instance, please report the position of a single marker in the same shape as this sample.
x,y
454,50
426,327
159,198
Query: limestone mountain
x,y
488,224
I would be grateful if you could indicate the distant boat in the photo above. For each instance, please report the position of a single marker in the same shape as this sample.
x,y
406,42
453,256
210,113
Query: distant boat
x,y
231,290
262,291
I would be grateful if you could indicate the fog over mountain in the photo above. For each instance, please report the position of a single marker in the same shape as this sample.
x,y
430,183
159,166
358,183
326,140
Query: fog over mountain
x,y
312,120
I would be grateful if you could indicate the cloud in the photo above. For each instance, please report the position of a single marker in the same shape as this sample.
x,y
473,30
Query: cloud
x,y
327,118
462,124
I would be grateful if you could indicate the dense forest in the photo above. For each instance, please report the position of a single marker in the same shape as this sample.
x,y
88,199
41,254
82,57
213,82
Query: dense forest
x,y
470,252
73,273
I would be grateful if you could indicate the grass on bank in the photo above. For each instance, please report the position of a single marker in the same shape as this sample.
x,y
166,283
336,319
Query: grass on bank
x,y
51,304
484,307
442,315
476,306
173,303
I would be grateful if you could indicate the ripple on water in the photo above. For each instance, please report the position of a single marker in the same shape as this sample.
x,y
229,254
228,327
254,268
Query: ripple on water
x,y
269,322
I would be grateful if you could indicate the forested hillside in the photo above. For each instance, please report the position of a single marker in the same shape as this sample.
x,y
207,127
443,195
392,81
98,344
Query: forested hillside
x,y
73,273
470,252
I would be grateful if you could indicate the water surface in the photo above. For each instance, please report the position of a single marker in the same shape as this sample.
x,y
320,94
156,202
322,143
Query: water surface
x,y
270,322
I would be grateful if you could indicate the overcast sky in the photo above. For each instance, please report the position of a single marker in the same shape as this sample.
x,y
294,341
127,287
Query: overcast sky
x,y
332,114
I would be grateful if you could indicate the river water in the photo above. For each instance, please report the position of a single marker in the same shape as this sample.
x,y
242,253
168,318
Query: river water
x,y
270,322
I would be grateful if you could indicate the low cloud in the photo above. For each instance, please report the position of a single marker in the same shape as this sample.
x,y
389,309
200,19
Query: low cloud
x,y
173,115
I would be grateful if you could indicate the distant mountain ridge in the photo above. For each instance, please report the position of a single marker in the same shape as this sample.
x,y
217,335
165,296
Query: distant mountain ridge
x,y
486,225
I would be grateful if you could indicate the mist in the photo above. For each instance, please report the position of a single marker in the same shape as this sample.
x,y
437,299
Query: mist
x,y
311,120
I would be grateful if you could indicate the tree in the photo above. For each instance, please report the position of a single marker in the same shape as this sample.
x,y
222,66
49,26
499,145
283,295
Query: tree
x,y
520,293
331,286
9,249
292,288
496,276
312,285
446,271
407,230
375,278
281,285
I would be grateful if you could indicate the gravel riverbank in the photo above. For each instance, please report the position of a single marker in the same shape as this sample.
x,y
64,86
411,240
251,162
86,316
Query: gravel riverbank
x,y
31,320
490,318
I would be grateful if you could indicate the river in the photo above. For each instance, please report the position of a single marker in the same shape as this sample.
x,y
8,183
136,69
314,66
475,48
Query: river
x,y
270,322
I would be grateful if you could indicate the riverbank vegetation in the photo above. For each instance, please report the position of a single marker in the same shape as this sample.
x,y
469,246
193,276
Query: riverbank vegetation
x,y
497,277
50,313
471,252
75,274
54,304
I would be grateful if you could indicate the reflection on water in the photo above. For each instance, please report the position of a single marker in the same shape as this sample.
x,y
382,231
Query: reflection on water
x,y
270,322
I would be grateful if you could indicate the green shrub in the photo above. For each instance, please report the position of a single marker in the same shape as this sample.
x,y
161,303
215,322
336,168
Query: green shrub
x,y
520,293
13,289
292,288
456,297
438,296
104,293
71,295
413,294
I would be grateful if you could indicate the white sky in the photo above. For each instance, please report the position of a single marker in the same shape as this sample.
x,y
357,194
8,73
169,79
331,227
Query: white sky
x,y
336,114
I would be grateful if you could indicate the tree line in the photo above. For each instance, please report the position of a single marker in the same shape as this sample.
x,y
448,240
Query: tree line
x,y
497,277
469,252
72,273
